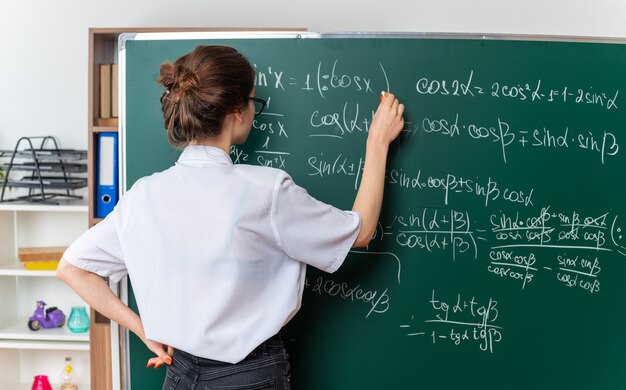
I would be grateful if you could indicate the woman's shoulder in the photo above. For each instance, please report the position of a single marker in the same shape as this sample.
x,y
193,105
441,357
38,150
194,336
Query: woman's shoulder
x,y
265,176
146,183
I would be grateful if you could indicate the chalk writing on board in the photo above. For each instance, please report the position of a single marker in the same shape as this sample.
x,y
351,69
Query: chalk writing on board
x,y
323,166
267,158
383,255
459,321
268,126
353,119
269,77
327,76
579,271
238,155
324,80
271,126
450,184
534,91
499,131
517,248
488,189
376,301
339,124
552,229
433,230
510,264
456,87
571,231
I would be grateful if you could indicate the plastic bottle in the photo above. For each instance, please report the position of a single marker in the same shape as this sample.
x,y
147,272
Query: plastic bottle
x,y
66,378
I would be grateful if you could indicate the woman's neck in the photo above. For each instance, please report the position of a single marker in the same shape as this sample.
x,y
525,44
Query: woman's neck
x,y
225,139
220,142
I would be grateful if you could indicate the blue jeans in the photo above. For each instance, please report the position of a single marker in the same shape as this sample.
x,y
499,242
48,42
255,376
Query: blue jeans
x,y
267,367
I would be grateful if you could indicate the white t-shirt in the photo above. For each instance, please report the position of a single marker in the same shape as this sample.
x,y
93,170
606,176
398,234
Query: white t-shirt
x,y
216,253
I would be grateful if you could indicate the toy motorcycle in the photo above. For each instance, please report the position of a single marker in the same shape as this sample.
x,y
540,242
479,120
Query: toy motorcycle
x,y
50,318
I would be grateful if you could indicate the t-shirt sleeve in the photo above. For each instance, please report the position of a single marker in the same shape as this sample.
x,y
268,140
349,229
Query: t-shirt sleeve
x,y
98,250
311,231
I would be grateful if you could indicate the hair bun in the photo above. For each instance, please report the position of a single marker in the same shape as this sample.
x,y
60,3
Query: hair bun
x,y
186,80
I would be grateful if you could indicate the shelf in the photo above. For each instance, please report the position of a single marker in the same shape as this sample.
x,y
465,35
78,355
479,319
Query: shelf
x,y
46,344
105,129
64,205
15,268
18,331
27,386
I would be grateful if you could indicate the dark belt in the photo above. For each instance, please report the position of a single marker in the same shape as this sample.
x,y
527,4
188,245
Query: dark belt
x,y
275,341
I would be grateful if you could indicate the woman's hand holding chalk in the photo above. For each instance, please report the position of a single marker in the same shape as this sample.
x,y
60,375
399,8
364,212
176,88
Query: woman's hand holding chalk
x,y
388,120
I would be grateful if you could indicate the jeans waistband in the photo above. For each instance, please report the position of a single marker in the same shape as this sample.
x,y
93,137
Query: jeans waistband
x,y
269,345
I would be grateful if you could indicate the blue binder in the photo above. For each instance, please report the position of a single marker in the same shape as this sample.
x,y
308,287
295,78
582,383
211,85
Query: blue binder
x,y
106,174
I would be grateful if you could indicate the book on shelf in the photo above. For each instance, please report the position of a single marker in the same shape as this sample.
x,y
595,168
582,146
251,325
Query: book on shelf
x,y
41,258
105,91
114,91
107,122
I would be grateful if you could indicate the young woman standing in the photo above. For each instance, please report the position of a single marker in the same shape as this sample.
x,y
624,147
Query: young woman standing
x,y
217,252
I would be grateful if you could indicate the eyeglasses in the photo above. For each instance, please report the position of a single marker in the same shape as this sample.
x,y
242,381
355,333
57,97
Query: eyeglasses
x,y
259,105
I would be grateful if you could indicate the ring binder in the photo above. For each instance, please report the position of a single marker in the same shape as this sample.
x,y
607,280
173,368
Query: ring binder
x,y
107,182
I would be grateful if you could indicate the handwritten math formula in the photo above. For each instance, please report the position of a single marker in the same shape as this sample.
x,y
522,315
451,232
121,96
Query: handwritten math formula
x,y
463,320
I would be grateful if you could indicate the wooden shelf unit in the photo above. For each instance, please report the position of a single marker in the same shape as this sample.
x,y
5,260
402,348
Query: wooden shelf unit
x,y
24,353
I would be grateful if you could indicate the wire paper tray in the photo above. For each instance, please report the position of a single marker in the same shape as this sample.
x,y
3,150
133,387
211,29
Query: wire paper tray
x,y
48,167
58,183
51,171
47,154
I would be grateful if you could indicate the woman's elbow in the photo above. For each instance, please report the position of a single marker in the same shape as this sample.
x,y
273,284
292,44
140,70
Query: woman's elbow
x,y
64,271
362,241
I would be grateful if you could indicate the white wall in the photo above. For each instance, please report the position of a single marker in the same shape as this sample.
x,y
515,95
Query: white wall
x,y
43,43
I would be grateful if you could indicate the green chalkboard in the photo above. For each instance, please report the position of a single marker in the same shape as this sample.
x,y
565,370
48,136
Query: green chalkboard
x,y
499,256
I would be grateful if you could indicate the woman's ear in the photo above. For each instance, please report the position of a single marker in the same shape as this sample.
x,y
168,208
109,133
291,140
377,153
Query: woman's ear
x,y
234,117
237,116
